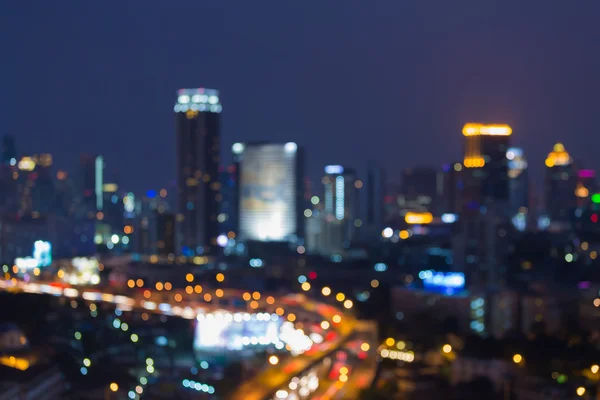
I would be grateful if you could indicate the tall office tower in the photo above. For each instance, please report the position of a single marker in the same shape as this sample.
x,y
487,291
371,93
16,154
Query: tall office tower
x,y
518,185
165,233
342,207
228,211
587,186
270,181
8,150
484,218
560,185
375,195
453,185
420,189
485,156
198,156
43,191
518,179
92,183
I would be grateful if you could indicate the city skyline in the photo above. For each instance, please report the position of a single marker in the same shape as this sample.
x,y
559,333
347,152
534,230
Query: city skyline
x,y
130,107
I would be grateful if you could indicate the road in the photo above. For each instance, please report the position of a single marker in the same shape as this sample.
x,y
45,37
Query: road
x,y
178,303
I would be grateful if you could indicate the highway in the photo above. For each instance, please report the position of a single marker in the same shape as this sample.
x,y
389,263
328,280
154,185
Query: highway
x,y
187,305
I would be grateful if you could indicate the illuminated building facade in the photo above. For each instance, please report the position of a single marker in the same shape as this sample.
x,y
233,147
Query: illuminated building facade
x,y
587,186
342,202
270,179
518,185
485,218
92,181
485,159
560,185
198,155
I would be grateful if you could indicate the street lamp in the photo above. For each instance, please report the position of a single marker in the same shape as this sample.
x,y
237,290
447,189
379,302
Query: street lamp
x,y
595,368
447,348
580,391
517,358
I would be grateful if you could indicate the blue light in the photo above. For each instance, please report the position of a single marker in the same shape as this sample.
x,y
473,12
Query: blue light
x,y
161,341
83,371
446,282
449,218
301,279
334,169
151,194
381,267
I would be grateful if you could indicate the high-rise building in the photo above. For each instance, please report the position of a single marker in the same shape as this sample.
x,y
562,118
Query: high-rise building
x,y
587,186
375,195
92,183
560,185
518,179
198,157
453,185
421,189
342,206
165,233
228,211
270,181
8,151
482,244
485,157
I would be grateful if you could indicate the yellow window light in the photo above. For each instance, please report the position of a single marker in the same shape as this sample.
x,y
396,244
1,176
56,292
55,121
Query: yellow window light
x,y
476,129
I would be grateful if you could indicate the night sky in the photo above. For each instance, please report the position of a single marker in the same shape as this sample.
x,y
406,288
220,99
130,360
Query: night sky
x,y
352,80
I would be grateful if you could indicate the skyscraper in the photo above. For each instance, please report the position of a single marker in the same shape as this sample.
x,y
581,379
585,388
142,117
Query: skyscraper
x,y
270,191
482,245
518,179
421,189
198,151
342,203
91,182
485,156
560,185
8,150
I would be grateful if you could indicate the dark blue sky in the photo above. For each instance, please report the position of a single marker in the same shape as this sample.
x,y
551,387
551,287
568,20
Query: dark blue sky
x,y
391,80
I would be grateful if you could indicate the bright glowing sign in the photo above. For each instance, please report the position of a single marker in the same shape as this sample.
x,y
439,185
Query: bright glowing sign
x,y
475,129
334,169
587,173
418,218
42,253
110,187
445,281
596,198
